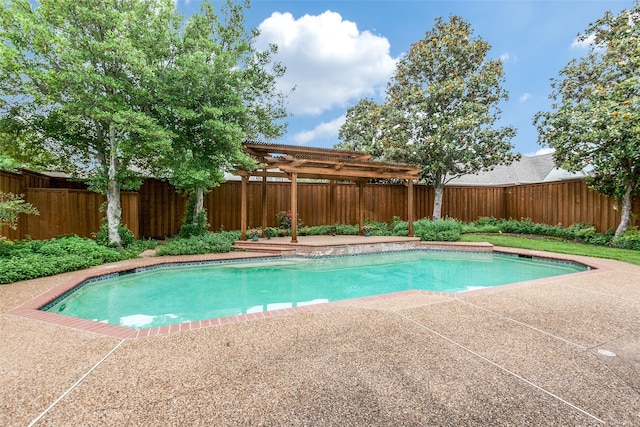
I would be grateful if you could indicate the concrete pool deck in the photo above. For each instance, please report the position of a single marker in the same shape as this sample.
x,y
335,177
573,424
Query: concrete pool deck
x,y
557,351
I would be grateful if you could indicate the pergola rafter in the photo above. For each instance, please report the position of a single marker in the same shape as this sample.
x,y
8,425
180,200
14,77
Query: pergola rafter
x,y
293,162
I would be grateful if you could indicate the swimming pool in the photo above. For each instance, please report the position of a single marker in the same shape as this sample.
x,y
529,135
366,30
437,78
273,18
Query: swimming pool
x,y
177,294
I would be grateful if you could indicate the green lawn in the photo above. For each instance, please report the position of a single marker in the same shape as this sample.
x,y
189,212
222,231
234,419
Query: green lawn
x,y
553,245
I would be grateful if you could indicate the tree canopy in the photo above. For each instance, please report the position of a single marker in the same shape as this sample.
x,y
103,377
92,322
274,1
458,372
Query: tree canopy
x,y
79,75
440,110
120,89
216,91
361,130
594,122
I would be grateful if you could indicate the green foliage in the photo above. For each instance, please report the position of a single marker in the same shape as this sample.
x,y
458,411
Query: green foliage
x,y
270,232
8,163
139,246
189,227
30,259
399,227
585,232
629,240
284,220
126,236
18,151
205,244
479,227
346,229
595,118
361,130
319,230
441,230
526,226
200,227
440,110
216,91
80,78
254,232
11,206
379,228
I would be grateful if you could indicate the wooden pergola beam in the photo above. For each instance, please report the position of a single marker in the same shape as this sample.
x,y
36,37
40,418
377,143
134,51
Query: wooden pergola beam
x,y
343,174
259,148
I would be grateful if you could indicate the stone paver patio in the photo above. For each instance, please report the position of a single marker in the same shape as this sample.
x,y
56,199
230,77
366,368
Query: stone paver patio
x,y
558,351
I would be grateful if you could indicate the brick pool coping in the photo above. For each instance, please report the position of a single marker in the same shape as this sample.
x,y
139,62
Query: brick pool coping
x,y
31,309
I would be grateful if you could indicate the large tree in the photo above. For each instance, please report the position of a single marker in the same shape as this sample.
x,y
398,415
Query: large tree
x,y
216,91
81,75
441,108
595,118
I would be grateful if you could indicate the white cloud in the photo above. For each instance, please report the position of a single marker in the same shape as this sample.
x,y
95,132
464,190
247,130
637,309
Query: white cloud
x,y
504,57
524,97
324,129
329,61
584,44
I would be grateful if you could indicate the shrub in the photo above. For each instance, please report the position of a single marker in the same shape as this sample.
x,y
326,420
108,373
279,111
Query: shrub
x,y
585,232
270,232
629,240
380,228
347,230
486,221
524,226
102,236
254,232
189,228
142,245
303,231
400,227
31,259
319,230
284,220
205,244
443,230
475,228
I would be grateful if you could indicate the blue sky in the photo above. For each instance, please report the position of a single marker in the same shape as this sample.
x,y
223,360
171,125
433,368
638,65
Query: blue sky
x,y
338,52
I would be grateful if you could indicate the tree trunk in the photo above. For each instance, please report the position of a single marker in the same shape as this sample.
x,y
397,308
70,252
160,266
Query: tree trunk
x,y
198,206
114,210
437,202
625,214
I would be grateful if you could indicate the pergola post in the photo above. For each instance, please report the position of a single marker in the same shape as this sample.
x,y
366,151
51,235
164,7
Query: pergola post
x,y
410,206
360,207
294,207
264,199
243,207
333,203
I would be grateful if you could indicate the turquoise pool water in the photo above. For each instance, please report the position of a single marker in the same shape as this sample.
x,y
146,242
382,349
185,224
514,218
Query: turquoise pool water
x,y
178,294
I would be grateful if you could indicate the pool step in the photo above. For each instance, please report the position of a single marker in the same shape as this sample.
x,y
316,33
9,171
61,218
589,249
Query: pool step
x,y
251,246
327,245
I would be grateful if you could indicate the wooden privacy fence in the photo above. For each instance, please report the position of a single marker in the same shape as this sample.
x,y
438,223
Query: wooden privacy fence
x,y
65,207
156,210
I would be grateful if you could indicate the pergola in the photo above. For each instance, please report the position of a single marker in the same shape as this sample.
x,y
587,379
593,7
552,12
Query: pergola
x,y
293,162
